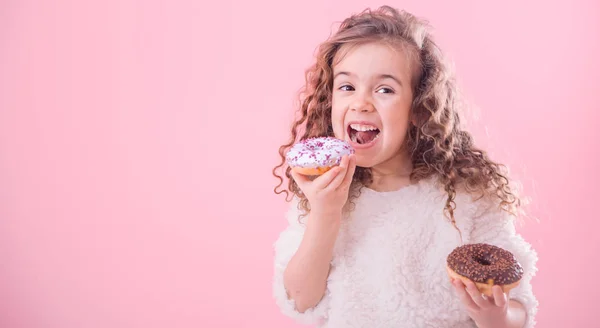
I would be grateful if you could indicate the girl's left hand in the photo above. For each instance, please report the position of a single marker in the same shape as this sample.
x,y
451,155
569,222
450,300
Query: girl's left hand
x,y
489,312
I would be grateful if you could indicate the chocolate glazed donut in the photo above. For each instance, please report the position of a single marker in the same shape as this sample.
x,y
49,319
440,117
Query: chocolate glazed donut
x,y
485,265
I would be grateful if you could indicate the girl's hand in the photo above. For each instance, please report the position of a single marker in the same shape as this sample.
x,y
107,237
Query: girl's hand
x,y
489,312
328,192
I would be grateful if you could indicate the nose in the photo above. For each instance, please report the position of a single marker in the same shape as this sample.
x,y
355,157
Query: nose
x,y
362,102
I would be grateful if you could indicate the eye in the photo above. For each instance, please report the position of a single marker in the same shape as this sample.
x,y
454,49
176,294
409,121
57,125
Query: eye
x,y
385,90
346,87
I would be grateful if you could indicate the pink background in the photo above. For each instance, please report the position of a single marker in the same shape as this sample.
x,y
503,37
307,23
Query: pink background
x,y
137,141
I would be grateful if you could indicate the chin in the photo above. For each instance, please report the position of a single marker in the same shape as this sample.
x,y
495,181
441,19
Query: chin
x,y
364,161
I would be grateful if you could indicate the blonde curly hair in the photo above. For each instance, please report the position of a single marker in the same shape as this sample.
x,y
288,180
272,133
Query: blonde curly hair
x,y
439,147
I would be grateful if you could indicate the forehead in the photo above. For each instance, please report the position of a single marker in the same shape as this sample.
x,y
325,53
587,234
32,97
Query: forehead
x,y
373,58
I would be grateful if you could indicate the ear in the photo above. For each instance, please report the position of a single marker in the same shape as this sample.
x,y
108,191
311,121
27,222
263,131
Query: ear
x,y
413,120
418,116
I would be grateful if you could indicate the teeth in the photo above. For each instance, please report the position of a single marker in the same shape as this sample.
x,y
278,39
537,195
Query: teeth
x,y
361,127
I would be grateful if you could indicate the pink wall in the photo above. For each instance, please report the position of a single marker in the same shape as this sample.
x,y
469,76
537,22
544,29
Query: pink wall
x,y
137,139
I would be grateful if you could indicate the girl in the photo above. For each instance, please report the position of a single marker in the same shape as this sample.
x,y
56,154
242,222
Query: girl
x,y
367,242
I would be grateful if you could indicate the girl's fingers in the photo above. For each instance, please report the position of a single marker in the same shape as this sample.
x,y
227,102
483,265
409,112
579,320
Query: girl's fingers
x,y
476,295
464,297
319,182
349,173
300,179
326,178
338,180
500,298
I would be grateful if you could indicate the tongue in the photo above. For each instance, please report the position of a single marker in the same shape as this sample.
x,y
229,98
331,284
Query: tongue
x,y
364,137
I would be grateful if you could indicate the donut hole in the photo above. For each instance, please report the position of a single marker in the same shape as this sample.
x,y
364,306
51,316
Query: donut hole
x,y
482,260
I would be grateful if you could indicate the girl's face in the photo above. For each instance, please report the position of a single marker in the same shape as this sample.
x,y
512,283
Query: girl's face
x,y
371,102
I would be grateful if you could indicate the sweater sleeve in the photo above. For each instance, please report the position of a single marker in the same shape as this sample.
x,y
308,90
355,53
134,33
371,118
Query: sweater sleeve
x,y
285,247
495,226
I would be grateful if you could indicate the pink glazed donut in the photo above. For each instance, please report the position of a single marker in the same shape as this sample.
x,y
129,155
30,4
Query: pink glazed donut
x,y
316,156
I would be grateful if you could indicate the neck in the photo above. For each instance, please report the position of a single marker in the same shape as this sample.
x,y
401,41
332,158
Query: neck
x,y
393,174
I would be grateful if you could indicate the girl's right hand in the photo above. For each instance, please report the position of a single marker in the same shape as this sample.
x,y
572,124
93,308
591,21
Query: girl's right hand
x,y
328,193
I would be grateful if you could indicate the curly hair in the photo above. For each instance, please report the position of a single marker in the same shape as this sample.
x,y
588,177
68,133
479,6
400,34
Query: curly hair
x,y
439,147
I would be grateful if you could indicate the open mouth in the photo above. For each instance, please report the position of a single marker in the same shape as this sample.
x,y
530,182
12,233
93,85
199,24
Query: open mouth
x,y
363,133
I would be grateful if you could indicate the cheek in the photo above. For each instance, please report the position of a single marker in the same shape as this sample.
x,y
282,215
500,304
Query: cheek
x,y
395,136
337,121
398,126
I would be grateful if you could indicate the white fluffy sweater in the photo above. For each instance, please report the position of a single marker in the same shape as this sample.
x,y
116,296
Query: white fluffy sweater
x,y
389,261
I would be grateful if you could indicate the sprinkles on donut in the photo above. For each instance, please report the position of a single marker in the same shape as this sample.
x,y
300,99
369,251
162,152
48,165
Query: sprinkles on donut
x,y
315,156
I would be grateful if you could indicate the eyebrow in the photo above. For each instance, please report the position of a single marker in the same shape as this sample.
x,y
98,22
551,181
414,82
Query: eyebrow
x,y
380,76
